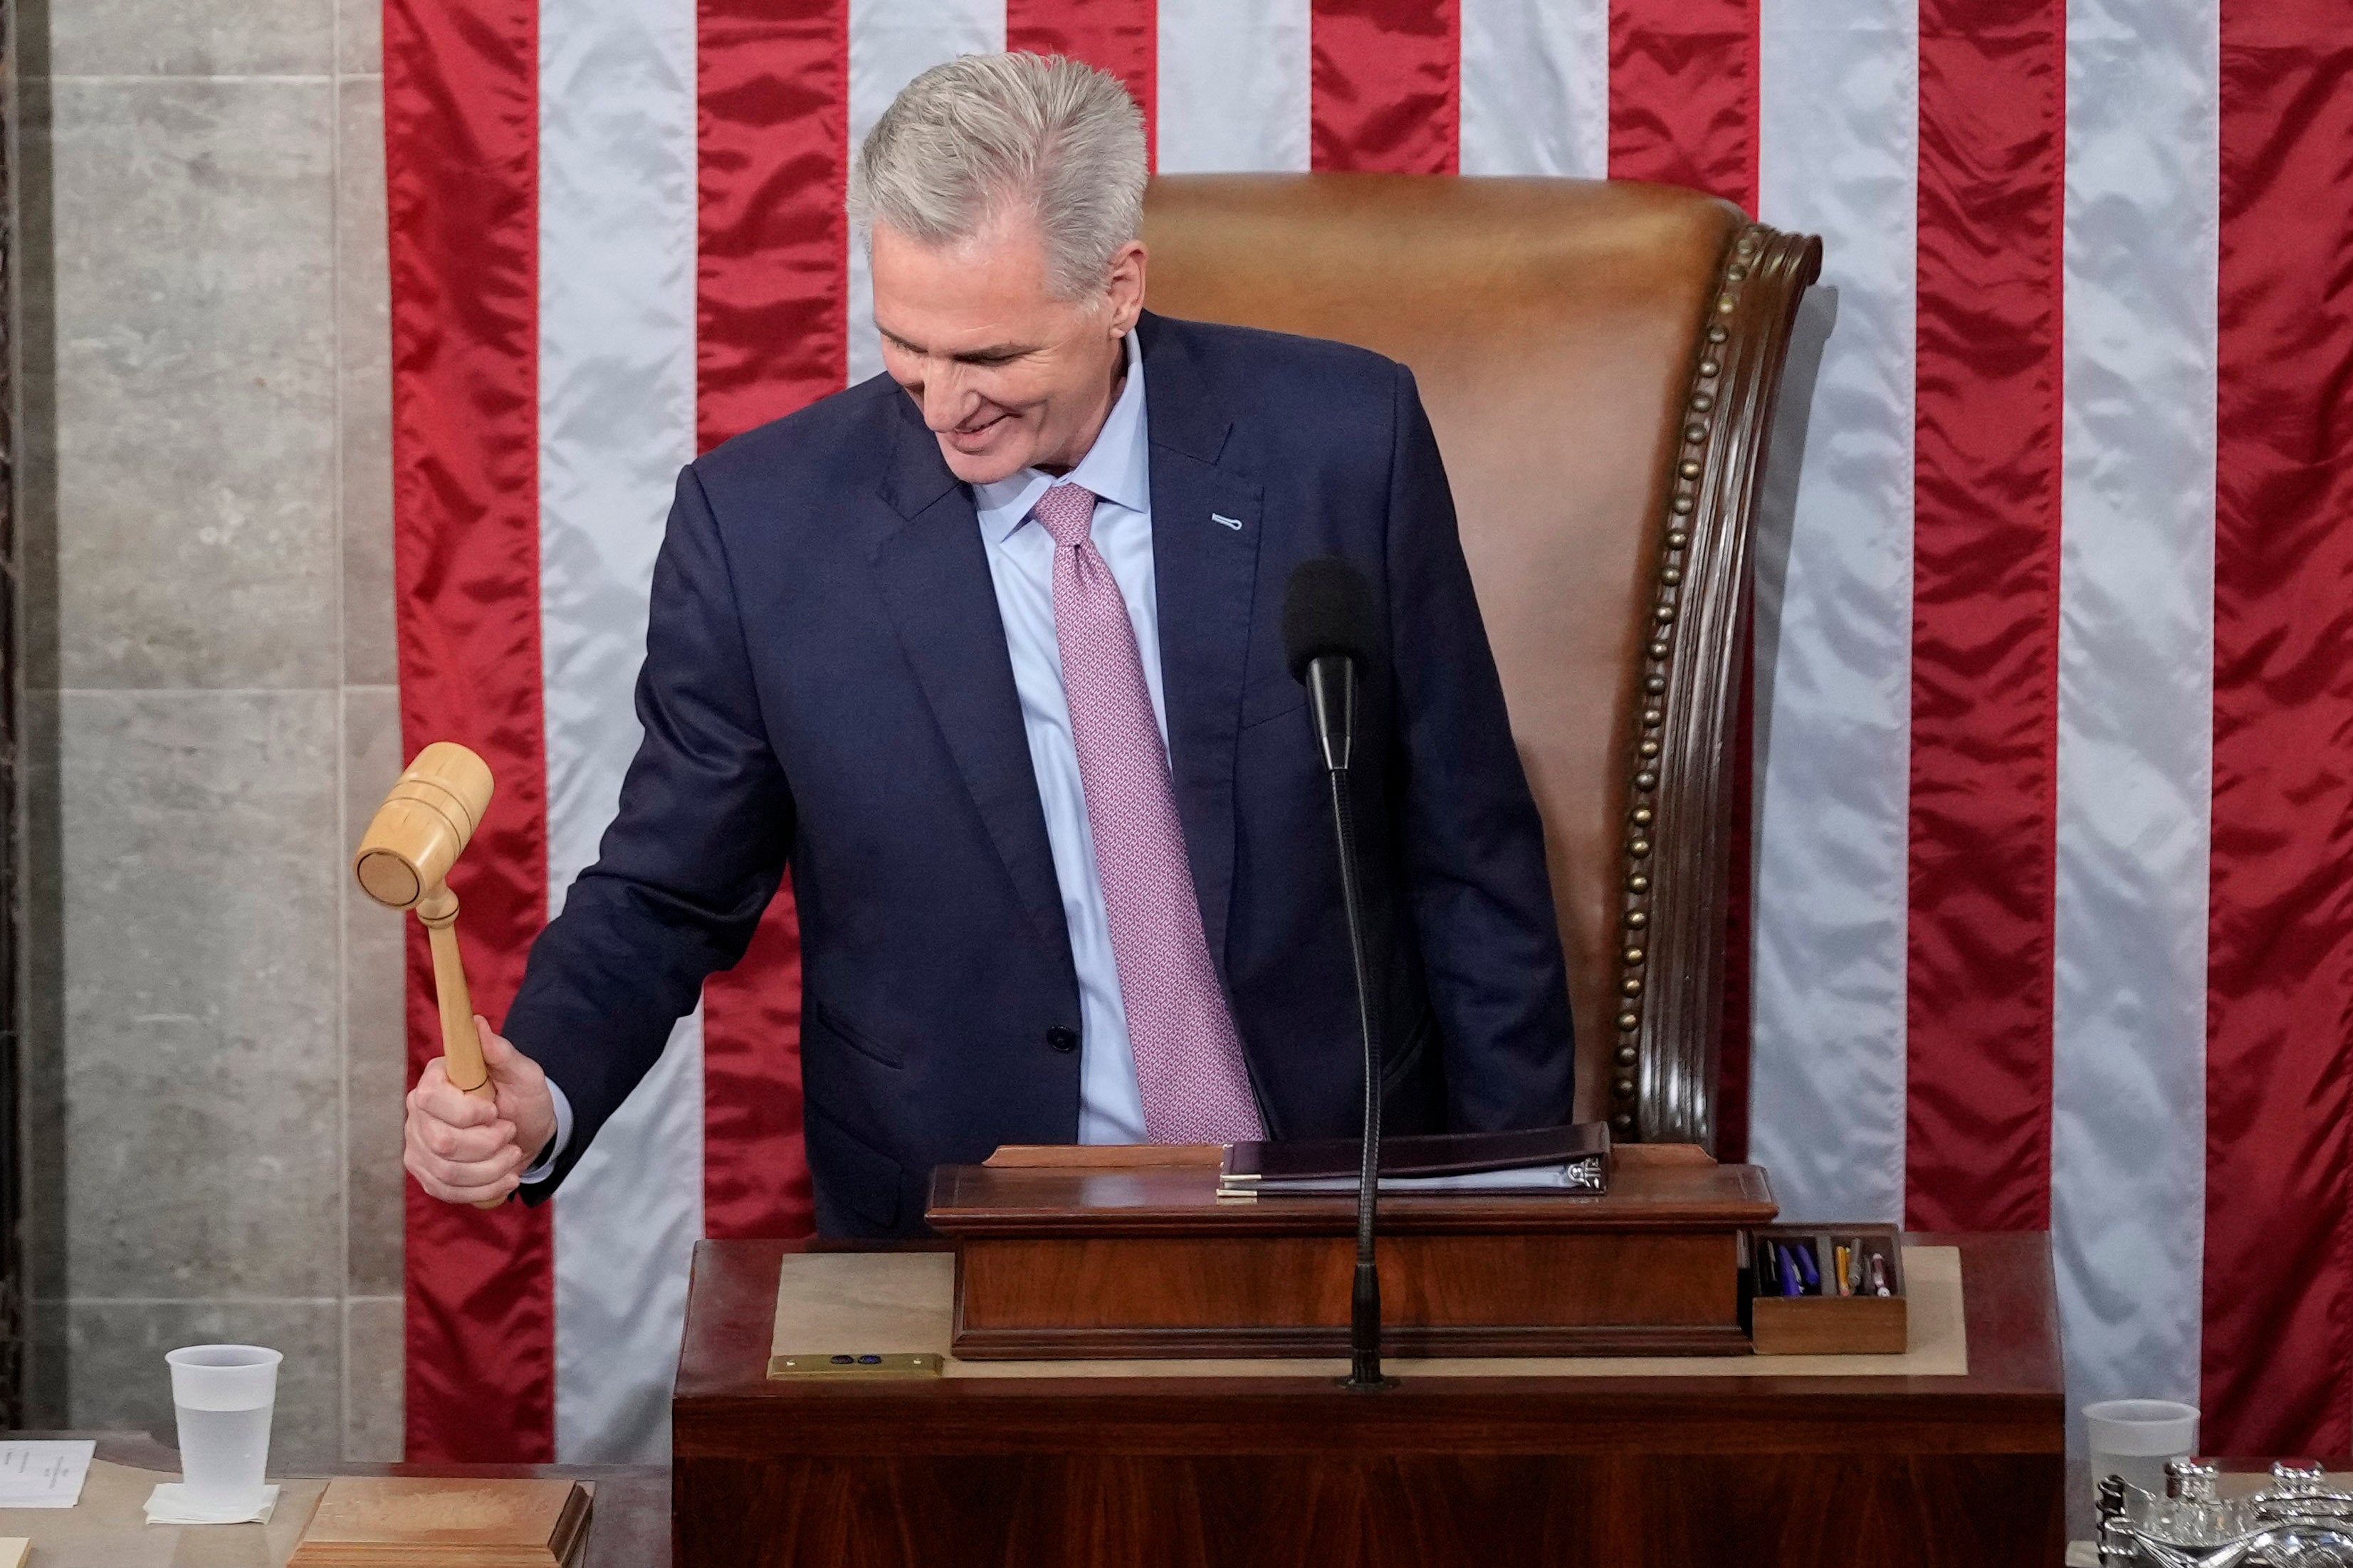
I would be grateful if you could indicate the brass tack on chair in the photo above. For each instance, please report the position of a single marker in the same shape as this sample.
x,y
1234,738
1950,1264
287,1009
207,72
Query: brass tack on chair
x,y
1626,1055
1628,1021
1689,468
1684,505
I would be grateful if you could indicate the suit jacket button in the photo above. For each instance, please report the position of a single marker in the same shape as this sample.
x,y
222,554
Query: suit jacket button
x,y
1061,1038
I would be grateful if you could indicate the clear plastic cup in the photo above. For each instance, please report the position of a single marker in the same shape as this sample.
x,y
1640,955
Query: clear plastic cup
x,y
223,1396
2134,1438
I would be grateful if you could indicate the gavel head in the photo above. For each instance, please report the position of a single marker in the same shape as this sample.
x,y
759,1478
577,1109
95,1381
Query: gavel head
x,y
424,825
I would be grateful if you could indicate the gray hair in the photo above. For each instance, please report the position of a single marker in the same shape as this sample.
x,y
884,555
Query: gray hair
x,y
966,141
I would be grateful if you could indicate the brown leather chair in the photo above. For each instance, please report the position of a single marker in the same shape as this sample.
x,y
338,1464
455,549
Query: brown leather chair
x,y
1600,360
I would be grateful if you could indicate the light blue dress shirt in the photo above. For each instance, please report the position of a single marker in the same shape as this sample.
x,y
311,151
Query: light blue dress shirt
x,y
1117,468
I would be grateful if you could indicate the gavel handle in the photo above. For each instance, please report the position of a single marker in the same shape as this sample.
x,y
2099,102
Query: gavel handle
x,y
462,1048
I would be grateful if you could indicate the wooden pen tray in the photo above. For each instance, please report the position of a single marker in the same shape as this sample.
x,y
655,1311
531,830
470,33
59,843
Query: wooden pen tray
x,y
1819,1321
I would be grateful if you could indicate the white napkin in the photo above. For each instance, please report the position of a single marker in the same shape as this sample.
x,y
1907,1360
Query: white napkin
x,y
169,1504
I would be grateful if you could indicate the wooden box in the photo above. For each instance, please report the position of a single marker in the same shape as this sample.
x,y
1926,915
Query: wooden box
x,y
1823,1322
1074,1263
381,1521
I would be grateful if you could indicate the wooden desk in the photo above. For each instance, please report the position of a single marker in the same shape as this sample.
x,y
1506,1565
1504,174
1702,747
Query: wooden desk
x,y
628,1527
1220,1472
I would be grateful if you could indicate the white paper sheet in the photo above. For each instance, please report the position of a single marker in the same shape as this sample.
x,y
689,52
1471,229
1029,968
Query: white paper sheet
x,y
44,1473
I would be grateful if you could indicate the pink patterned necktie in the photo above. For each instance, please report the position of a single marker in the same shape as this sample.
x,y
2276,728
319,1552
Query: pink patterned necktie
x,y
1188,1058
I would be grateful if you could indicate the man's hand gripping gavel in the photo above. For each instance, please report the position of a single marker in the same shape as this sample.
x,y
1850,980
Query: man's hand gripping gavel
x,y
472,1148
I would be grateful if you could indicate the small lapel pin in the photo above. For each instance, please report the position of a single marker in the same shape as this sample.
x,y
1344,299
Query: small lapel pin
x,y
1233,522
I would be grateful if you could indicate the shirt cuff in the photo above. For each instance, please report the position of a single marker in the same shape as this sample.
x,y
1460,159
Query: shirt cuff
x,y
556,1145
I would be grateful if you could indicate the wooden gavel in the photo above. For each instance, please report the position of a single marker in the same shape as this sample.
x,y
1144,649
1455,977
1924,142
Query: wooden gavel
x,y
419,831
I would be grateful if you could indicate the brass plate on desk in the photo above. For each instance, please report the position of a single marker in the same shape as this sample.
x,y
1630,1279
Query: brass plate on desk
x,y
833,1367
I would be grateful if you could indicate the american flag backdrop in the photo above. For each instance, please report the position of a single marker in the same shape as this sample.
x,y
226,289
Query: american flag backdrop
x,y
2053,895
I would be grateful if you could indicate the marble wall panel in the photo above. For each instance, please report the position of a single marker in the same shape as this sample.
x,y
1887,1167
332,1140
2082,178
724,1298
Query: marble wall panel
x,y
359,37
374,1399
363,328
203,1069
216,1048
374,1035
195,324
192,37
119,1382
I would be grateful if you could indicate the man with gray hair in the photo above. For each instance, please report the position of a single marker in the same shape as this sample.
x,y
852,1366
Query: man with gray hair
x,y
986,652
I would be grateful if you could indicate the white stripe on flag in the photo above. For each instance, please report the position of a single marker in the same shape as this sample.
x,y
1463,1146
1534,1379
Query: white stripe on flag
x,y
1838,138
2136,694
1535,88
1234,94
892,42
616,388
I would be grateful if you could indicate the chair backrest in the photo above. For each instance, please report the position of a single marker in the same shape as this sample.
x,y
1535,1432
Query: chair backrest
x,y
1599,360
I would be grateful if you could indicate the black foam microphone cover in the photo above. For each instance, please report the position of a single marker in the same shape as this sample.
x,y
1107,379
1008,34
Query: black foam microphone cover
x,y
1327,609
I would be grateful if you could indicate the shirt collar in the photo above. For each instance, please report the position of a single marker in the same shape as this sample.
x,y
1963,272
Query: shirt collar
x,y
1115,468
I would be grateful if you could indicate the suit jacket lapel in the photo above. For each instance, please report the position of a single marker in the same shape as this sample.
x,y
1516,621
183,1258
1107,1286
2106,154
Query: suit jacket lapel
x,y
1205,532
933,574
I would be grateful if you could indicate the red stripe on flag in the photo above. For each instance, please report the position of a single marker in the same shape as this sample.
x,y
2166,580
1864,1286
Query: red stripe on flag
x,y
1386,86
771,281
755,1177
1683,95
462,130
772,318
1122,37
1985,614
2280,956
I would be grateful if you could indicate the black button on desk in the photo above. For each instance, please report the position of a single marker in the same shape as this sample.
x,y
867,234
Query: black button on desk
x,y
1061,1038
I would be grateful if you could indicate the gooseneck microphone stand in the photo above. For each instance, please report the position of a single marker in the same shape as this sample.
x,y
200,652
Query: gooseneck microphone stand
x,y
1332,694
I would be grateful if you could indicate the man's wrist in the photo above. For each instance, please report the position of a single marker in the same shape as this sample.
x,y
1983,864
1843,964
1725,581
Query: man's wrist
x,y
544,1164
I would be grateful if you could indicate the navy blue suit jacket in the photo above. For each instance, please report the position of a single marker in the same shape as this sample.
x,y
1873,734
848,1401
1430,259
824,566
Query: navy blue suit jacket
x,y
826,689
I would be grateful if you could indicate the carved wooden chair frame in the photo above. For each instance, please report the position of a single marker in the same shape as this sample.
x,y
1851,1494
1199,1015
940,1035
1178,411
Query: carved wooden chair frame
x,y
1673,891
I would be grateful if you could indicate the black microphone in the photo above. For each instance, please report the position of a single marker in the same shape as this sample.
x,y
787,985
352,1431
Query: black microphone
x,y
1328,623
